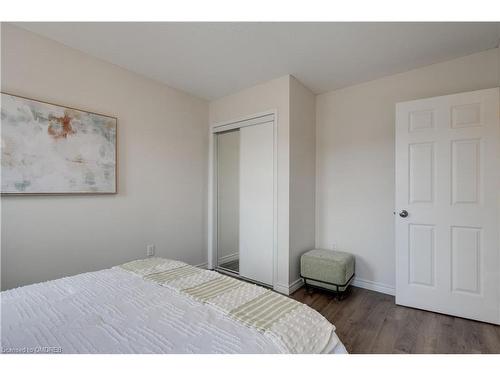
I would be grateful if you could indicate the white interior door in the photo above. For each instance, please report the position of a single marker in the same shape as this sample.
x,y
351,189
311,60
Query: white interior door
x,y
448,181
256,202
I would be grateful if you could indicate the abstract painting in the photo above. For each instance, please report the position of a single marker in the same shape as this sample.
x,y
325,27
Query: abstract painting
x,y
49,149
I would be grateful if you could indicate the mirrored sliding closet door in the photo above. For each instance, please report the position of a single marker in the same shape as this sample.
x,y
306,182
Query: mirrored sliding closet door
x,y
244,171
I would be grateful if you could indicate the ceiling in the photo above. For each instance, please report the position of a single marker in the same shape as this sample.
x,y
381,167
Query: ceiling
x,y
211,60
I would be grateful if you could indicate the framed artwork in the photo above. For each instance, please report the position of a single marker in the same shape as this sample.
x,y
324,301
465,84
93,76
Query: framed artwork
x,y
51,149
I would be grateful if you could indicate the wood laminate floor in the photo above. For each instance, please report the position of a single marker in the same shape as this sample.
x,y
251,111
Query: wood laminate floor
x,y
370,322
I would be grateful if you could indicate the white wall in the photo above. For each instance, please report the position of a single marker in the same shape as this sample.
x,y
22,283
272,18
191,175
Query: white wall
x,y
272,95
228,191
162,170
355,158
302,173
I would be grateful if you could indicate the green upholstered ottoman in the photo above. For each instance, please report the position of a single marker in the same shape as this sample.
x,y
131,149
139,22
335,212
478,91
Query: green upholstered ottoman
x,y
328,269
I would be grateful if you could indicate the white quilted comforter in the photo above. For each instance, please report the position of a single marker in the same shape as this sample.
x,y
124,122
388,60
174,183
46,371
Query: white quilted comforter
x,y
114,311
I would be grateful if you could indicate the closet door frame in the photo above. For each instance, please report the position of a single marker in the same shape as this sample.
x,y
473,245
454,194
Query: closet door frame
x,y
258,118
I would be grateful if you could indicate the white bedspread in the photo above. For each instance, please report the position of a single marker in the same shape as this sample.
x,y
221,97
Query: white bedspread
x,y
113,311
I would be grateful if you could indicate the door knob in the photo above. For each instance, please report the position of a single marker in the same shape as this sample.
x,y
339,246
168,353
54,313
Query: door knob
x,y
403,213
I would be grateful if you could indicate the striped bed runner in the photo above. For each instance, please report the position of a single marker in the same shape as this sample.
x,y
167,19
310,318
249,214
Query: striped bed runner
x,y
263,311
251,305
174,274
213,288
149,266
259,312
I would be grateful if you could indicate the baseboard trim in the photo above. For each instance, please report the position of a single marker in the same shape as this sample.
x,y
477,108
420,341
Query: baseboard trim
x,y
202,265
295,285
288,289
280,288
375,286
229,258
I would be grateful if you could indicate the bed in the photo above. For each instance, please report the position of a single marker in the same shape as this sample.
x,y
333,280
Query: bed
x,y
158,305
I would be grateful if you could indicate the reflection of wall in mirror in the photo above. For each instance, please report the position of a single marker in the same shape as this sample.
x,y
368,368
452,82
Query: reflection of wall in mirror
x,y
228,195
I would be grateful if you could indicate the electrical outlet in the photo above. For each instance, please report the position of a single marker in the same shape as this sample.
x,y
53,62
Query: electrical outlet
x,y
150,250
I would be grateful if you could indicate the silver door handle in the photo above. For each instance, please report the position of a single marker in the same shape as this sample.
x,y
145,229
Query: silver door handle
x,y
403,213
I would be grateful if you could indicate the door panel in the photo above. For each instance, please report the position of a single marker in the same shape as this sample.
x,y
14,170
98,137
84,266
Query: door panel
x,y
465,166
448,180
466,115
257,202
421,254
421,120
421,160
466,259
